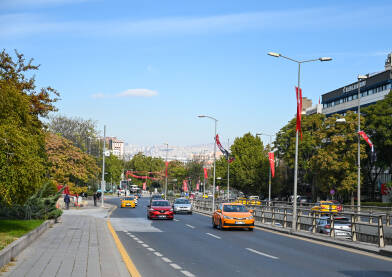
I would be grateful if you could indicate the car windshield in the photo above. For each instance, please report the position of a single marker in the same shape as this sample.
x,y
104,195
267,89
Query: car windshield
x,y
160,203
129,198
181,201
234,208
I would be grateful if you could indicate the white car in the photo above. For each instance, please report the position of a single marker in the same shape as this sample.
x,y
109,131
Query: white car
x,y
182,205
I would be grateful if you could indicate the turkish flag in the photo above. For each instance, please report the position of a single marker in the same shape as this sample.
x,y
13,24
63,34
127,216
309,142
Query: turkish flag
x,y
197,186
367,139
185,186
144,186
206,173
299,109
166,165
272,163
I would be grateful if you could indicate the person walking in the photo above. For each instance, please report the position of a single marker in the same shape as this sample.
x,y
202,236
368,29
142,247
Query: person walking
x,y
67,200
95,199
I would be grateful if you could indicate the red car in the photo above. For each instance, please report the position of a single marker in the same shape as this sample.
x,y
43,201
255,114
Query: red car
x,y
160,209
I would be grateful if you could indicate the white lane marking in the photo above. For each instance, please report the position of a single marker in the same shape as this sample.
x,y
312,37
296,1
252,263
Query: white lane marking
x,y
190,226
141,242
187,273
158,254
166,260
176,220
150,249
261,253
145,245
175,266
213,236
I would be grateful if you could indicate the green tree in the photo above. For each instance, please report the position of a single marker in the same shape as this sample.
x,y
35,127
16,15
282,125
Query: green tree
x,y
250,167
146,166
113,168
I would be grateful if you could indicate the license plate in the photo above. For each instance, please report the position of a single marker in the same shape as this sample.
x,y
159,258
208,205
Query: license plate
x,y
239,222
162,216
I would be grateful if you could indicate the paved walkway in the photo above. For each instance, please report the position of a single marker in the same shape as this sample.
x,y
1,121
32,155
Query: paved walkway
x,y
80,245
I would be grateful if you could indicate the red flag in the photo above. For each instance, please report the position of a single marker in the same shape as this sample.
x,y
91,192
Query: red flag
x,y
299,109
272,163
197,186
206,173
144,186
367,139
166,164
185,186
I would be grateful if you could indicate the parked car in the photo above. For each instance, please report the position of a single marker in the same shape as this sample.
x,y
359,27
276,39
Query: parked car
x,y
342,226
128,202
182,205
160,209
254,200
232,215
339,206
325,207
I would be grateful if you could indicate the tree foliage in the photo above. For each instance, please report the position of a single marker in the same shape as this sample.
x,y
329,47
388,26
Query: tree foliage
x,y
68,164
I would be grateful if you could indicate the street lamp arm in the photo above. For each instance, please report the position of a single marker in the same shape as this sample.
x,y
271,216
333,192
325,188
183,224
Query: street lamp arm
x,y
207,116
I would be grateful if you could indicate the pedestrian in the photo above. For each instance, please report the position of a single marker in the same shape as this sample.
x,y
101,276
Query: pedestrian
x,y
95,199
118,193
67,200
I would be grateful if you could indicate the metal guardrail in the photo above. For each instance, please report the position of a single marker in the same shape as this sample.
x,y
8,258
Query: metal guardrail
x,y
366,227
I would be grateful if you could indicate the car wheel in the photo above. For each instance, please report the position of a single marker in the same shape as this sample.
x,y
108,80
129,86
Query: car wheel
x,y
250,229
220,225
213,223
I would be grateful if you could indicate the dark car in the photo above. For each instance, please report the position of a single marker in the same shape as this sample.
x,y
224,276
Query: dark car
x,y
160,209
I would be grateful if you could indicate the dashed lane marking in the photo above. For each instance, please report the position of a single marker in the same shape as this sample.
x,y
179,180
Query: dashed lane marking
x,y
150,249
217,237
187,273
175,266
176,220
261,253
145,245
158,254
190,226
141,242
166,259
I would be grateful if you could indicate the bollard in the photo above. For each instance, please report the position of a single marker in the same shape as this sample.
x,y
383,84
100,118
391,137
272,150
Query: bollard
x,y
380,232
353,228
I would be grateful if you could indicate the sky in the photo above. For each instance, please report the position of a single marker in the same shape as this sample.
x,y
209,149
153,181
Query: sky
x,y
147,69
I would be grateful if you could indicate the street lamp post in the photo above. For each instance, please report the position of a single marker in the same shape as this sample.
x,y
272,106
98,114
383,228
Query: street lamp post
x,y
322,59
228,172
360,78
213,182
269,177
167,149
103,166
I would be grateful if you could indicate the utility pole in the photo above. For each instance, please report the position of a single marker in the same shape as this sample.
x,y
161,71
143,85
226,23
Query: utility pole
x,y
228,171
103,165
167,150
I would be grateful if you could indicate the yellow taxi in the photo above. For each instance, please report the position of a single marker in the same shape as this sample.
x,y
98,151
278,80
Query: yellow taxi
x,y
325,207
128,202
254,200
241,200
233,215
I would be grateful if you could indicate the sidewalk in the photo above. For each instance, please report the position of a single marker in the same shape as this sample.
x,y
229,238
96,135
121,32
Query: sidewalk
x,y
79,245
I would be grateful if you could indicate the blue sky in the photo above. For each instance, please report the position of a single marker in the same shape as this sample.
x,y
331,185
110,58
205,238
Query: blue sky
x,y
146,69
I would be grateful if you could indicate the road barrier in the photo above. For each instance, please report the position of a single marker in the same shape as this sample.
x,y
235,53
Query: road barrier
x,y
371,227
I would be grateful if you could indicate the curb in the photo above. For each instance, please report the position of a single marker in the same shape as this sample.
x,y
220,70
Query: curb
x,y
15,248
352,245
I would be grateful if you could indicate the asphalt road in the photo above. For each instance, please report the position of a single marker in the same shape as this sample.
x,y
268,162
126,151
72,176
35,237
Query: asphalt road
x,y
189,246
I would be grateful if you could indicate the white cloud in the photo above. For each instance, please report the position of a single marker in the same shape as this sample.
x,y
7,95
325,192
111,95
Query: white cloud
x,y
137,92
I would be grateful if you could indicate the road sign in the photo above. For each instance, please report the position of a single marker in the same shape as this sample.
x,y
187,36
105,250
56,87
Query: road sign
x,y
332,191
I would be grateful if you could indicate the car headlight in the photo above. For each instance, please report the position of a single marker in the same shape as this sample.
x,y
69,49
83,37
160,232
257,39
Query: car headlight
x,y
251,217
227,217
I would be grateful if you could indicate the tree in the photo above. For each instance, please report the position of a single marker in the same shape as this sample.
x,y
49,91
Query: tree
x,y
83,133
68,164
146,166
378,126
113,169
250,166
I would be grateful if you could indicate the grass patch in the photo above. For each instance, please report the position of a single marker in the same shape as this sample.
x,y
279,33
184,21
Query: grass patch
x,y
12,229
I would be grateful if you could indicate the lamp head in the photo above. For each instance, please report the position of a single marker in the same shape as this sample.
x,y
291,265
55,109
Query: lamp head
x,y
273,54
325,59
201,116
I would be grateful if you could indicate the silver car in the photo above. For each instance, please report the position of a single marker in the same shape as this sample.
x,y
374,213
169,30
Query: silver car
x,y
342,226
182,205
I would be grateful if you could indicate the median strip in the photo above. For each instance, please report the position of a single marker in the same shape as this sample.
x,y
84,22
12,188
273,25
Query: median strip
x,y
261,253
